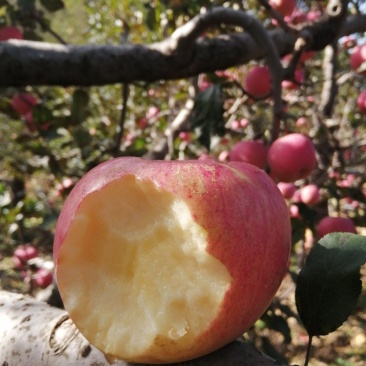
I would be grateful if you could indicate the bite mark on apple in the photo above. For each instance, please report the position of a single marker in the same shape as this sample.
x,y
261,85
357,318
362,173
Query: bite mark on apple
x,y
134,246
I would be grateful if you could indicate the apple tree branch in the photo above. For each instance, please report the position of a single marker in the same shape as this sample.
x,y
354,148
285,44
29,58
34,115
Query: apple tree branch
x,y
34,333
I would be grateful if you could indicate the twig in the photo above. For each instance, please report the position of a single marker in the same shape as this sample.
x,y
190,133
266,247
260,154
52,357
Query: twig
x,y
46,27
121,125
185,36
330,86
276,15
308,351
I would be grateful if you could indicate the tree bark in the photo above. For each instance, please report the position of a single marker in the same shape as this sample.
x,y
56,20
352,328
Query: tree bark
x,y
33,333
25,63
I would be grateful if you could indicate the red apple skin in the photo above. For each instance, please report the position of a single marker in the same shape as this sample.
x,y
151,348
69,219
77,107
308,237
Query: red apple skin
x,y
248,231
361,102
251,152
23,103
42,278
358,56
292,157
329,225
294,211
298,17
287,189
310,194
23,254
7,33
258,82
290,85
301,121
284,7
313,15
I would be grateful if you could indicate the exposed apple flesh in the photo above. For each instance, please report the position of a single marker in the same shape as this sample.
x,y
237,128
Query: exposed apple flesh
x,y
161,261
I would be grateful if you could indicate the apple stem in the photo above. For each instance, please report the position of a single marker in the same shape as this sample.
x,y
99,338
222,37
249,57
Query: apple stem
x,y
308,351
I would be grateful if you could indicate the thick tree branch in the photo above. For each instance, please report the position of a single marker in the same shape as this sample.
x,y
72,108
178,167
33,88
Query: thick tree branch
x,y
33,333
322,32
330,86
25,63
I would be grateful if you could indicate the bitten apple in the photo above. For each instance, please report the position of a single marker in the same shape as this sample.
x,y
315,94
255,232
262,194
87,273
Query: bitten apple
x,y
292,157
164,261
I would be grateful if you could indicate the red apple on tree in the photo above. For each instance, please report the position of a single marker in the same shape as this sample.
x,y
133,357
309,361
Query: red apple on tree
x,y
284,7
361,102
258,82
299,79
310,194
291,157
307,55
329,225
296,198
23,254
294,211
164,261
23,103
7,33
42,278
358,57
287,189
301,121
251,152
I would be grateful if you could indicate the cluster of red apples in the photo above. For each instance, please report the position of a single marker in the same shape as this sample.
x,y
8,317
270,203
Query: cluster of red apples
x,y
34,269
22,103
257,82
291,158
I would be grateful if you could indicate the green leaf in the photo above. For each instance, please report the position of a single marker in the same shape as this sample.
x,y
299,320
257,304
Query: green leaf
x,y
41,114
207,118
81,136
53,5
329,284
80,100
